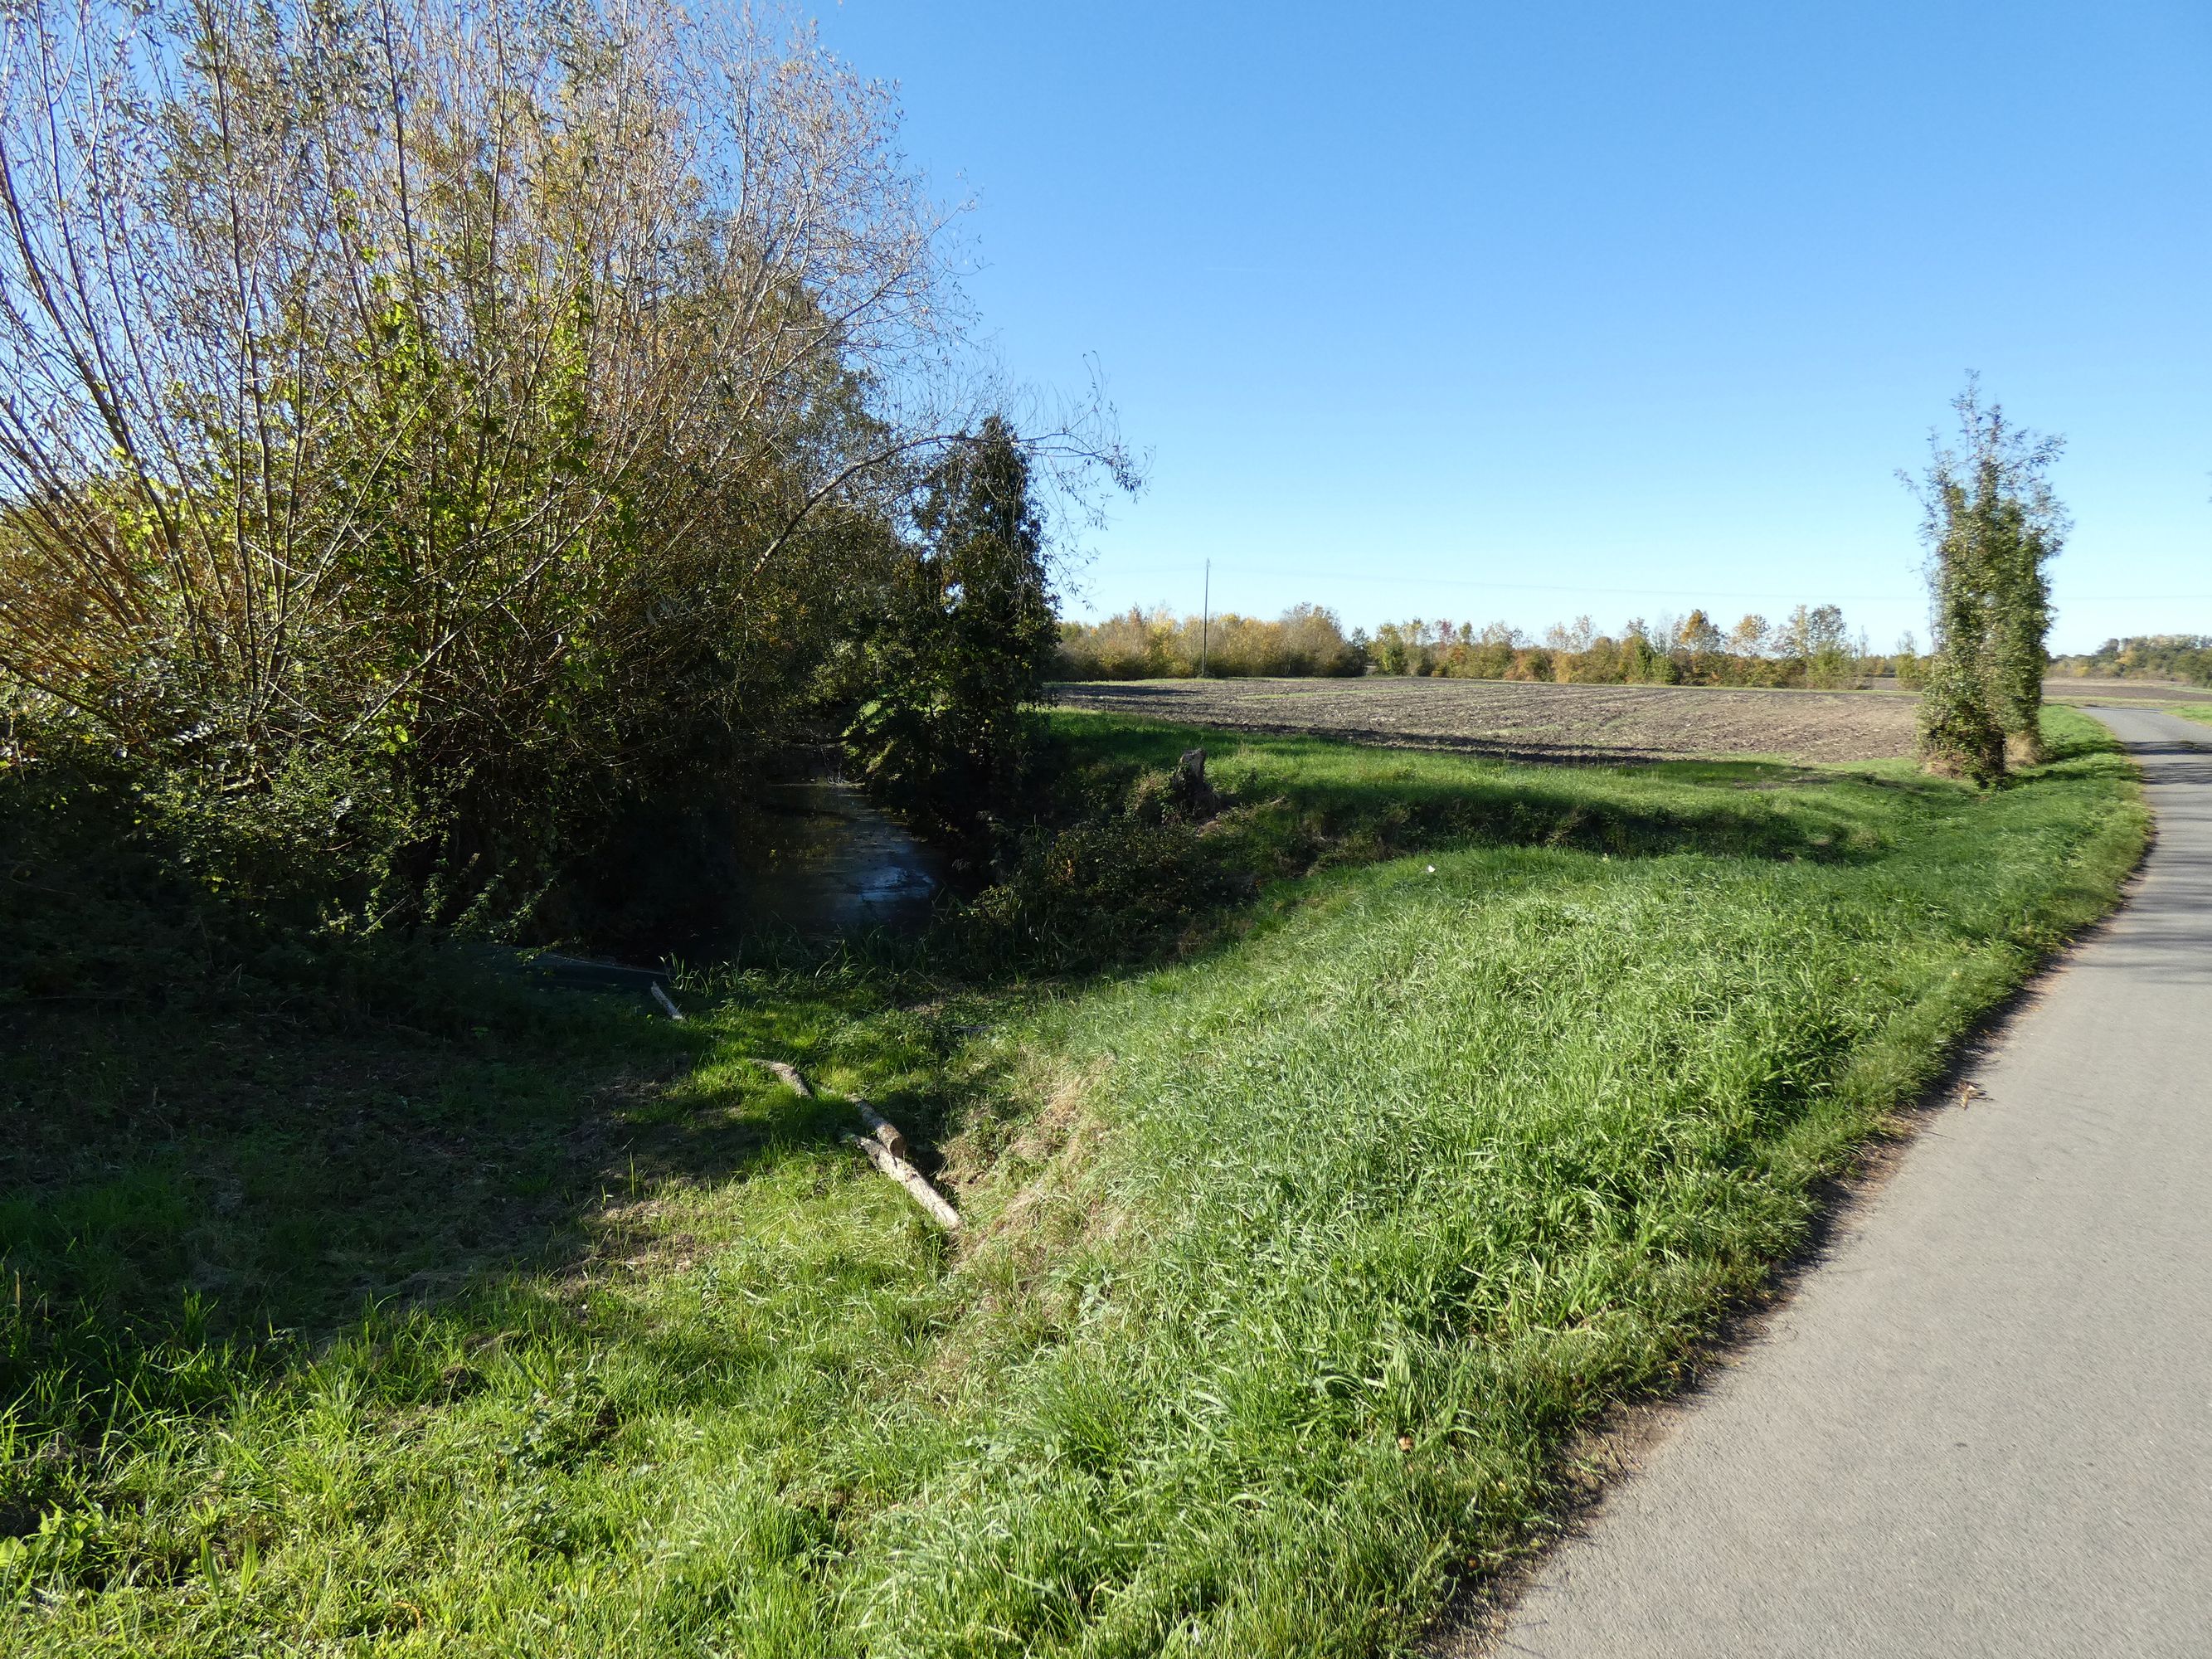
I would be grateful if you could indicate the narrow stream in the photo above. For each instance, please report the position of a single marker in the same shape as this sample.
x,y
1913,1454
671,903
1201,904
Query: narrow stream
x,y
803,853
825,864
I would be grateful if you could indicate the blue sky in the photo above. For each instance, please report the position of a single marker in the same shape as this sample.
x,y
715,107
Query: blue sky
x,y
1489,312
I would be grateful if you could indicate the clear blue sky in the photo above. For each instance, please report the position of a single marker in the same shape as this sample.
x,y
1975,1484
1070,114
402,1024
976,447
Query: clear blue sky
x,y
1517,312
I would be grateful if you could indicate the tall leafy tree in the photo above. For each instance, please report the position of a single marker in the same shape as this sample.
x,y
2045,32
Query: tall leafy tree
x,y
972,635
1992,527
431,428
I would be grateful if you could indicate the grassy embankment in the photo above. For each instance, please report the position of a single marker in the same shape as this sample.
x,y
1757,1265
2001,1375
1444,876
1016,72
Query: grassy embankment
x,y
1290,1266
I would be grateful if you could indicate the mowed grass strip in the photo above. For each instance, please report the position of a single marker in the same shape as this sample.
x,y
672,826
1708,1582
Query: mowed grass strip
x,y
1290,1269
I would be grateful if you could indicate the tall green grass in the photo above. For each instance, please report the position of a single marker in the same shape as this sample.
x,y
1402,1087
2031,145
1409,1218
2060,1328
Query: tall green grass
x,y
1290,1268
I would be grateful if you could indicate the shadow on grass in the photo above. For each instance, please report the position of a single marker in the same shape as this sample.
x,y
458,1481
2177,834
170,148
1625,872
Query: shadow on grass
x,y
1300,793
204,1188
199,1202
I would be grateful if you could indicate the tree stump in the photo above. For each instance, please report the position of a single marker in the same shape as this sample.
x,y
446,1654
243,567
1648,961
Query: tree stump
x,y
1192,792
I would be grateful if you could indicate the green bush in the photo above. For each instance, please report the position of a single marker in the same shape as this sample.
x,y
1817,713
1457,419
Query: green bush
x,y
960,653
1112,890
531,455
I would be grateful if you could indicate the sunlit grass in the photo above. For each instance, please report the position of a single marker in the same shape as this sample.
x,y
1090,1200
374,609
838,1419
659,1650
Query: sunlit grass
x,y
1289,1269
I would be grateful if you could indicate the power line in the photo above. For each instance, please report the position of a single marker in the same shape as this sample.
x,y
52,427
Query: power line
x,y
1615,592
1469,582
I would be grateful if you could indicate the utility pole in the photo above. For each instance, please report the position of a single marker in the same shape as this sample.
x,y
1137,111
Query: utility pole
x,y
1205,618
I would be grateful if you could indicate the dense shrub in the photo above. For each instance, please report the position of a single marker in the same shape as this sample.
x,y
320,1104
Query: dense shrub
x,y
960,649
431,430
1109,889
116,896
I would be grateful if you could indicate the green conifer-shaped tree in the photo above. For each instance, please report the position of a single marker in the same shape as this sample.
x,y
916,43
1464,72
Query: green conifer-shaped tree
x,y
1992,526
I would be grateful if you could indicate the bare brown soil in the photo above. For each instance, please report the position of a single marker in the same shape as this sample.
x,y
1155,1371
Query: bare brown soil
x,y
1533,720
2072,689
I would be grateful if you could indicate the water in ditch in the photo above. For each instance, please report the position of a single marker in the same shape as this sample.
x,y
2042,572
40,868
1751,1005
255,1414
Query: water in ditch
x,y
822,863
802,857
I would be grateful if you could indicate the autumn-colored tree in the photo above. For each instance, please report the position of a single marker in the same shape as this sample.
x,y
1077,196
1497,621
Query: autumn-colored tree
x,y
450,416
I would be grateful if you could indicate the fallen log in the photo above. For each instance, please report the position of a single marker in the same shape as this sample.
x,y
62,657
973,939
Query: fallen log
x,y
912,1179
886,1131
789,1076
886,1147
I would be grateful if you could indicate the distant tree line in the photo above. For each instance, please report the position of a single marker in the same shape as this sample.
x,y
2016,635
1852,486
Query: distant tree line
x,y
2145,656
1812,646
1157,644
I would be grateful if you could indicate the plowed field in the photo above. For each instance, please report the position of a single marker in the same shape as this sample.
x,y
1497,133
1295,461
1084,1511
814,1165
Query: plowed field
x,y
2069,689
1530,721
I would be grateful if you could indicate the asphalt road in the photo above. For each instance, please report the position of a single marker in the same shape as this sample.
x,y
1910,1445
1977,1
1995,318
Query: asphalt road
x,y
1983,1426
